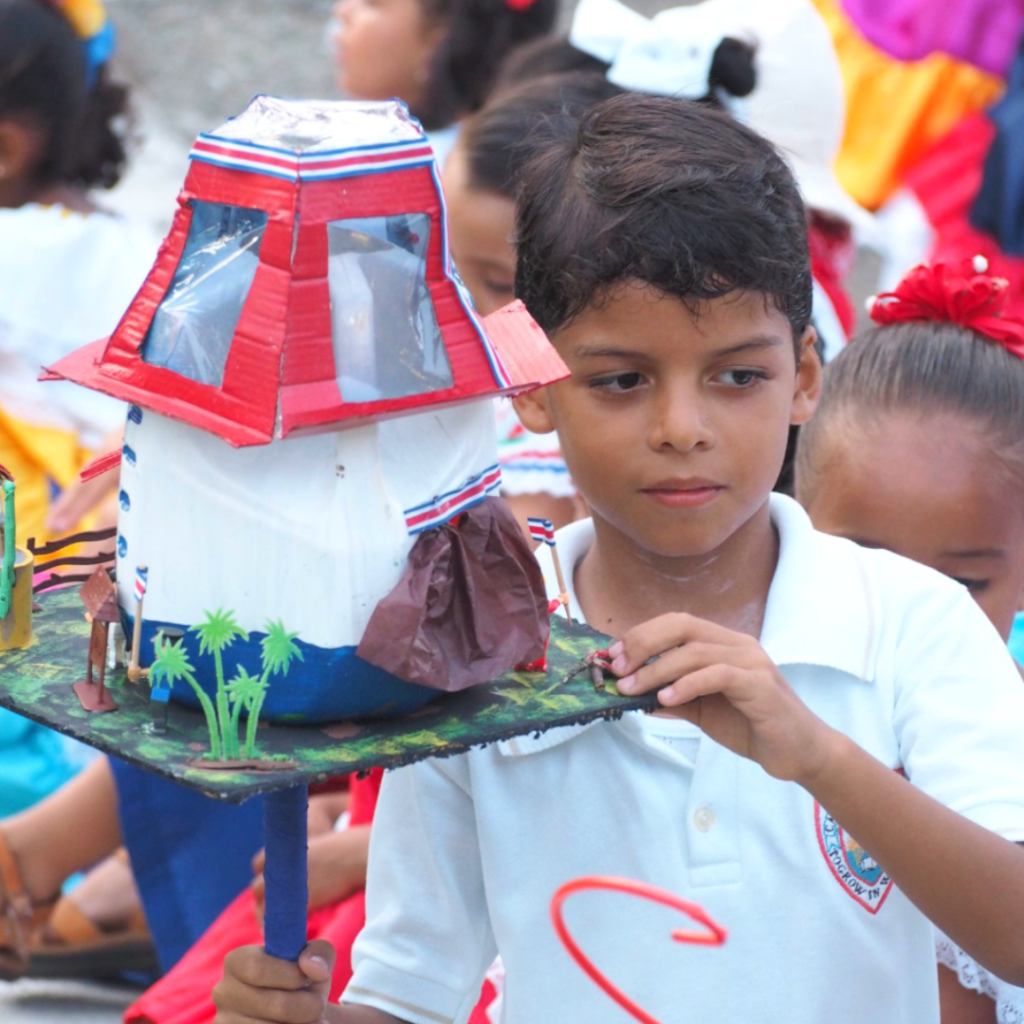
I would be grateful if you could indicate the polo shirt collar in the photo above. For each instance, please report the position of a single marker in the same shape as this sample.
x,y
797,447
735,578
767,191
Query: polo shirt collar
x,y
819,609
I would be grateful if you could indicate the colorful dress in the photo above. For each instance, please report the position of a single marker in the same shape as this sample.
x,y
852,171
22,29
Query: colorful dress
x,y
895,111
980,32
530,463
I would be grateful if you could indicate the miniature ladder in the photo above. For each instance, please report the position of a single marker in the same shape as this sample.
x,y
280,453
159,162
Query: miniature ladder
x,y
287,890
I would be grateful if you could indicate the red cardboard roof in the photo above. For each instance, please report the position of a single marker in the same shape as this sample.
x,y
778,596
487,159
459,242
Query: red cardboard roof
x,y
296,169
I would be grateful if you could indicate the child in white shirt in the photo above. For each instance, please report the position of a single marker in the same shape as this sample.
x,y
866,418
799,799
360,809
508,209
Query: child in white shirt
x,y
663,248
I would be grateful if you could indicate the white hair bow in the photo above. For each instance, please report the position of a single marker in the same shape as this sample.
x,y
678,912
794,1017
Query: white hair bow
x,y
668,55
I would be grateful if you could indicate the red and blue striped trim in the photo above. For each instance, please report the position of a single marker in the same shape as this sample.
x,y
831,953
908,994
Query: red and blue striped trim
x,y
342,163
442,508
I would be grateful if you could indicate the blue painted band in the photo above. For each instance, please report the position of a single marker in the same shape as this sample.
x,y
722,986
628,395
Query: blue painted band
x,y
328,685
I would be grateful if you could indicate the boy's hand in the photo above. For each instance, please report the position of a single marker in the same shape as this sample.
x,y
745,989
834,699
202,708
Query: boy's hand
x,y
260,989
724,683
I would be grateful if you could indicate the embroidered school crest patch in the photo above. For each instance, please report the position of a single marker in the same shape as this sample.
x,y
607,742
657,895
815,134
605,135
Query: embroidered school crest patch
x,y
854,868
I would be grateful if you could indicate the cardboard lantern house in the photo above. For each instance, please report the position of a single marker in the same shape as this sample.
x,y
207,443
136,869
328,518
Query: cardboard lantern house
x,y
310,417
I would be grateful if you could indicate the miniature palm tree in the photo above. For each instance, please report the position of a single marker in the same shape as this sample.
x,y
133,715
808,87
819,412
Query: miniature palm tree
x,y
217,632
278,651
173,665
244,690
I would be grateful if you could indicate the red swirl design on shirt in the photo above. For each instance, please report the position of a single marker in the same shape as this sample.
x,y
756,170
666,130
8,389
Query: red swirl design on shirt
x,y
714,936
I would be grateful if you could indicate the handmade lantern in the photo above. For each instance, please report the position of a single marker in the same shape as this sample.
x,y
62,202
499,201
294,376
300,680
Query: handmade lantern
x,y
306,489
309,390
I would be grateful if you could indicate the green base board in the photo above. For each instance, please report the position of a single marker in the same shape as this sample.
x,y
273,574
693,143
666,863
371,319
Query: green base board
x,y
36,682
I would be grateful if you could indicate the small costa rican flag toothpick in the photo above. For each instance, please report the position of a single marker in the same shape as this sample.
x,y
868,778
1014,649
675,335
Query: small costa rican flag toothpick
x,y
543,531
141,581
135,672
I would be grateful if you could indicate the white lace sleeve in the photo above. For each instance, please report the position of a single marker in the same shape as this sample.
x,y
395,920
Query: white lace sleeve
x,y
1009,999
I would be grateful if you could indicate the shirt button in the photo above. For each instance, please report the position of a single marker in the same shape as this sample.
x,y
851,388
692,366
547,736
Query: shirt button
x,y
703,818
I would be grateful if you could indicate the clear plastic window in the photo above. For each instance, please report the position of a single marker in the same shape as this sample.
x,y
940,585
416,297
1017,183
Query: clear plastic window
x,y
387,343
192,330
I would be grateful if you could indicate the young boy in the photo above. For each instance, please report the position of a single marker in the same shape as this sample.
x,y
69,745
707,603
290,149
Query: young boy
x,y
663,248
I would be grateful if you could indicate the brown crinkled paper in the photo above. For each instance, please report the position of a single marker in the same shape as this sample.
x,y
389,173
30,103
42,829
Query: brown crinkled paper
x,y
470,606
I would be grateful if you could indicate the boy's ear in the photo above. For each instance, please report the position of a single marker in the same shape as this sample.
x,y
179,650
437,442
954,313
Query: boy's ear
x,y
534,412
808,380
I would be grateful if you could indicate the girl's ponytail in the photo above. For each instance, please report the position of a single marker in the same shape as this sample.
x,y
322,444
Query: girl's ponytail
x,y
732,68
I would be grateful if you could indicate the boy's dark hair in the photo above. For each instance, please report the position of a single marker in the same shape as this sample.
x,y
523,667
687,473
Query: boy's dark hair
x,y
43,80
499,140
663,191
924,369
732,66
480,34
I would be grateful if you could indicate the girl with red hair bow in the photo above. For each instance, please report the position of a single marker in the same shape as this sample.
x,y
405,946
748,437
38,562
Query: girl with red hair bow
x,y
917,446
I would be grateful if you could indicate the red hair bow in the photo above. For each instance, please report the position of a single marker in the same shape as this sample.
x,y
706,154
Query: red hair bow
x,y
520,5
968,297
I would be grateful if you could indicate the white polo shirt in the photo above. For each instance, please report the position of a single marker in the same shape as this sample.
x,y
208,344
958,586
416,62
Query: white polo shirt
x,y
467,851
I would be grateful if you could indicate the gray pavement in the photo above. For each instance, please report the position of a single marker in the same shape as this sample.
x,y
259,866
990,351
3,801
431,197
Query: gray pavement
x,y
63,1002
201,60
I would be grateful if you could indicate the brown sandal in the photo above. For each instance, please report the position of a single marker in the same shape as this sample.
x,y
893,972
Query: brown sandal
x,y
71,945
19,916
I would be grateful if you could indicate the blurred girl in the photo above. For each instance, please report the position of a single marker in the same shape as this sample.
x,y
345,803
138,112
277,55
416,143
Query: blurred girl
x,y
439,56
67,269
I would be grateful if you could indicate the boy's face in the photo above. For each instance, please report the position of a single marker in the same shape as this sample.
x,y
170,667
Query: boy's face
x,y
674,427
927,489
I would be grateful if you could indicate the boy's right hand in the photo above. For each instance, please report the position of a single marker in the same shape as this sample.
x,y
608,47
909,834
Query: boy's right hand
x,y
724,682
260,989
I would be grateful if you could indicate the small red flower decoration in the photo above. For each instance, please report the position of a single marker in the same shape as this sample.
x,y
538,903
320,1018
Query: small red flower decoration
x,y
943,294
